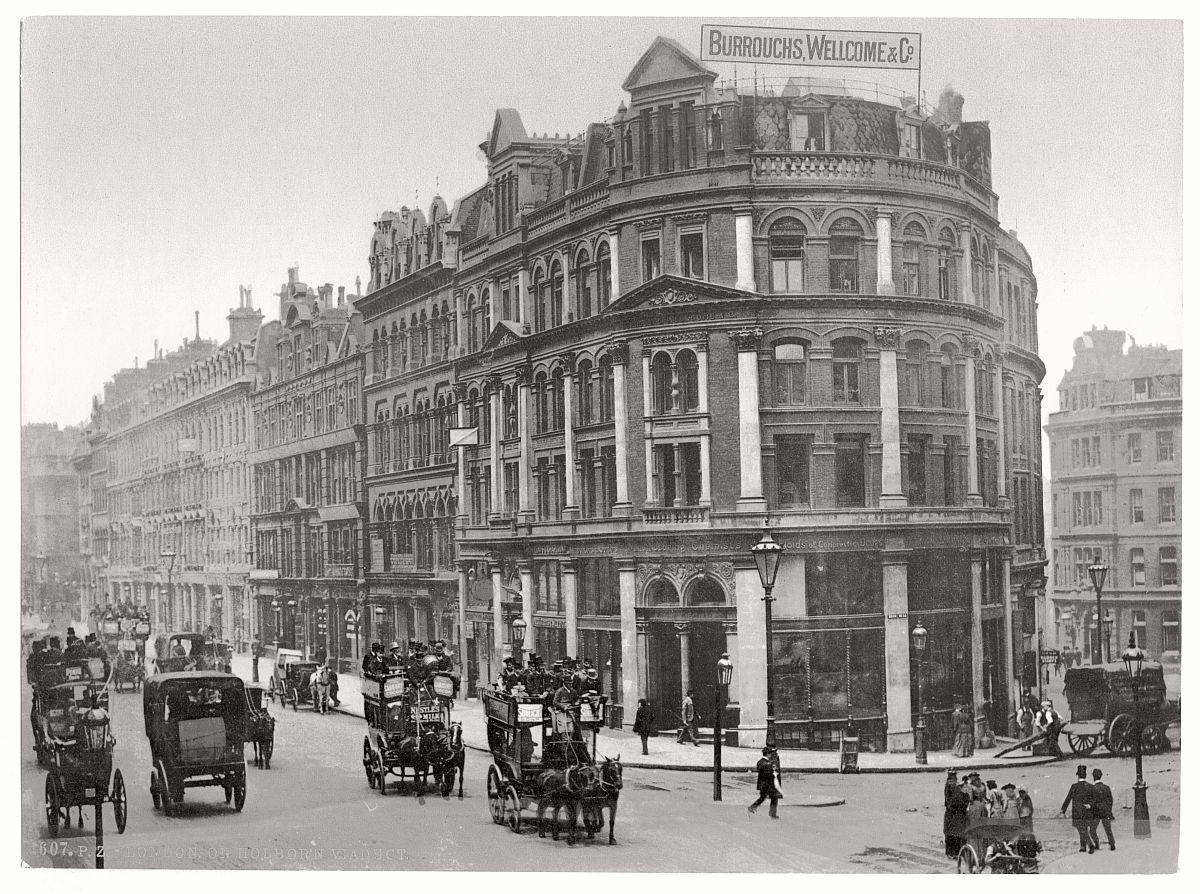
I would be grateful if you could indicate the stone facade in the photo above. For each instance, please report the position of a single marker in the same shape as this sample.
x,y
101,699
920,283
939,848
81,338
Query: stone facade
x,y
52,567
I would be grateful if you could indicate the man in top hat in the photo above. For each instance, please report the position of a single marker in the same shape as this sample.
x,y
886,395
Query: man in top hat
x,y
767,770
444,662
1102,805
395,659
372,662
1079,797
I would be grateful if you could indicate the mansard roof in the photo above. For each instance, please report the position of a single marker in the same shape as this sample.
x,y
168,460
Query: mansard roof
x,y
507,128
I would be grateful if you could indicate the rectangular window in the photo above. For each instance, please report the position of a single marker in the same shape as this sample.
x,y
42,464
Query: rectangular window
x,y
691,255
911,269
1168,566
808,132
1076,455
910,141
1166,504
1139,628
1141,389
918,448
1166,446
850,470
1136,511
950,474
1085,453
843,263
792,468
1137,567
651,258
1170,623
1077,510
944,276
1096,458
1135,447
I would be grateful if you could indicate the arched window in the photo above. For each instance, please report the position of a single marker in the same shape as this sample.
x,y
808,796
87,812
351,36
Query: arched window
x,y
541,299
627,145
583,284
789,373
910,272
847,370
706,591
949,377
687,369
915,359
473,333
436,326
661,591
844,239
604,268
556,294
485,317
606,389
541,392
946,245
558,406
976,271
786,249
660,378
586,405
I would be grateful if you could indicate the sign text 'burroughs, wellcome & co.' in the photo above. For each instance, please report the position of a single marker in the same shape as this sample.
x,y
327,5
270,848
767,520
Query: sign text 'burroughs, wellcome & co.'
x,y
797,46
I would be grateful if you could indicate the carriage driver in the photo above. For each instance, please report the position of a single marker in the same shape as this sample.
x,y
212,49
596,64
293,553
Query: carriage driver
x,y
372,662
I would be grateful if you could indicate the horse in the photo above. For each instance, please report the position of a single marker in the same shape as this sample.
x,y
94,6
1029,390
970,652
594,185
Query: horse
x,y
318,685
609,790
447,757
563,788
412,753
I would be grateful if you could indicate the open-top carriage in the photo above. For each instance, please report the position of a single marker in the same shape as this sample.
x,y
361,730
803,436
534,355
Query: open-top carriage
x,y
544,757
196,722
186,651
1103,709
59,688
129,667
1003,846
410,728
260,730
290,678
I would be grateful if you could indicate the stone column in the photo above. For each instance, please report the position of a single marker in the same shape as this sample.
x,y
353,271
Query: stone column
x,y
751,657
525,466
619,351
460,394
749,427
702,374
892,493
895,648
570,586
464,595
743,228
524,314
632,680
460,322
677,451
885,285
968,291
974,498
977,646
497,615
1001,433
705,469
526,572
682,630
615,264
1012,688
493,386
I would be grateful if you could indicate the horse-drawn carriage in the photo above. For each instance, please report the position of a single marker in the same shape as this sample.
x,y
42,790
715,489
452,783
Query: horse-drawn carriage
x,y
541,756
185,651
291,678
59,688
998,845
196,722
260,730
1103,709
409,727
79,755
129,668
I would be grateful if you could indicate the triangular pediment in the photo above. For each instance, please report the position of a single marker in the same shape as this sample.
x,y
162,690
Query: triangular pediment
x,y
675,291
503,334
507,128
665,61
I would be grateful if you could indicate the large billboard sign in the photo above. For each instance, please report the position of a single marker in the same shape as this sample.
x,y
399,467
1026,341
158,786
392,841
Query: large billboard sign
x,y
755,44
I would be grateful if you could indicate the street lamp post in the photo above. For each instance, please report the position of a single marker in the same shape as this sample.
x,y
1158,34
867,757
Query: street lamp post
x,y
1108,628
724,676
518,640
920,637
278,609
767,553
169,555
1097,572
1133,658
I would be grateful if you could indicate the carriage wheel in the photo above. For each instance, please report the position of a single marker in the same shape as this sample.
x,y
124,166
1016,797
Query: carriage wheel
x,y
271,689
239,791
295,699
495,796
367,761
512,808
119,801
968,860
53,804
1121,734
154,790
1083,743
381,773
164,790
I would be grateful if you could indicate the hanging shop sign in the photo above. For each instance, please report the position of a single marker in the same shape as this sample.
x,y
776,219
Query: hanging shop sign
x,y
756,44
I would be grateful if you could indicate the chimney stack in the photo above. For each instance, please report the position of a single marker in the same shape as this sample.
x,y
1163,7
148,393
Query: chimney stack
x,y
197,313
341,296
293,275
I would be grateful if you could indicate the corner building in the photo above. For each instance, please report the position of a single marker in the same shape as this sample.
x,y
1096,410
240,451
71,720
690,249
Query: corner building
x,y
1116,459
716,310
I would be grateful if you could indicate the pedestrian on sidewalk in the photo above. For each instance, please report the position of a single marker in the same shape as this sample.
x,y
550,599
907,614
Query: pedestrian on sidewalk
x,y
1102,805
687,713
964,731
1079,798
643,723
768,772
1025,810
995,799
1011,808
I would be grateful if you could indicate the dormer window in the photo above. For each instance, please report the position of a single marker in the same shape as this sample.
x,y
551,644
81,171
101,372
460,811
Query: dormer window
x,y
807,131
910,140
716,140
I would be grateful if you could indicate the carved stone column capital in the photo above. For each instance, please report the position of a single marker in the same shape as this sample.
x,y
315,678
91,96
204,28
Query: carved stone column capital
x,y
888,337
746,339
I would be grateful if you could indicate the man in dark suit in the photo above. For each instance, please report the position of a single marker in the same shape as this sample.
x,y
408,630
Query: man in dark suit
x,y
1102,805
1079,797
767,769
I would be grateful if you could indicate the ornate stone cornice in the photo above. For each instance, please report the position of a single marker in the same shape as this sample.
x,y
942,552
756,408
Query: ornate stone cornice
x,y
888,337
649,223
699,339
694,218
746,339
492,382
669,297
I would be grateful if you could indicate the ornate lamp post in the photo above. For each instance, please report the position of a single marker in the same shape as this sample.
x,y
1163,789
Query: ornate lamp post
x,y
168,556
518,639
767,553
1133,658
920,638
278,609
1098,572
724,676
1109,620
96,739
291,604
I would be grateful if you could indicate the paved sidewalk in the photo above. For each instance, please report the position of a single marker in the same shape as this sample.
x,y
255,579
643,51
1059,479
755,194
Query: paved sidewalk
x,y
667,754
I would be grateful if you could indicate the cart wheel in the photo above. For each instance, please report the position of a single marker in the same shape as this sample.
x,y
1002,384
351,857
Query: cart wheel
x,y
228,792
164,790
239,791
266,749
381,773
119,801
368,761
295,699
512,808
53,804
271,689
1120,738
1082,744
968,860
495,796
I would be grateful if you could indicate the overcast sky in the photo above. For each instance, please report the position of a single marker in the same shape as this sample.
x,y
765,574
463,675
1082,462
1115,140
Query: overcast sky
x,y
166,161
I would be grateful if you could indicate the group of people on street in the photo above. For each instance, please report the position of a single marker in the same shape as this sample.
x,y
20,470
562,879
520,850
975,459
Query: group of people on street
x,y
971,799
535,679
1091,806
1036,719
